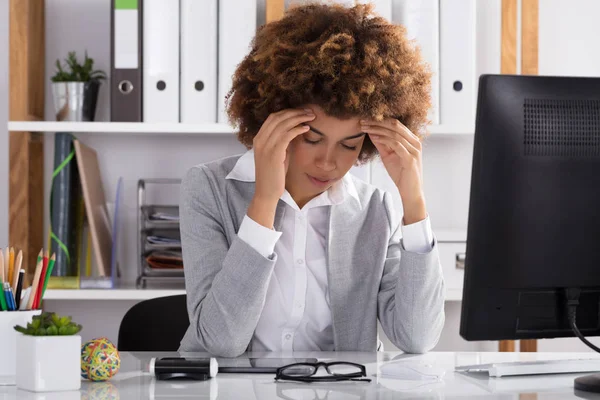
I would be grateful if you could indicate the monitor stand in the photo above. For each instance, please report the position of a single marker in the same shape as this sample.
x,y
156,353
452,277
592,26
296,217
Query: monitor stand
x,y
588,383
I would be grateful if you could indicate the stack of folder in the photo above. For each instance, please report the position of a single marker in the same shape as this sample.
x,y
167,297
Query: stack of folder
x,y
160,257
173,61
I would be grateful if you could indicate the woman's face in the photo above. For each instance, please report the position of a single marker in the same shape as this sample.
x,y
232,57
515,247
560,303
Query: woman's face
x,y
322,155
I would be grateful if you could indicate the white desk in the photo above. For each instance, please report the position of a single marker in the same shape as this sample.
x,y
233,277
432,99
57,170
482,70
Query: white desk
x,y
132,383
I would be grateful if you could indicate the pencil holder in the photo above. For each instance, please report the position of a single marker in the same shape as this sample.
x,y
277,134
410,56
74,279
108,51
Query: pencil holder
x,y
8,342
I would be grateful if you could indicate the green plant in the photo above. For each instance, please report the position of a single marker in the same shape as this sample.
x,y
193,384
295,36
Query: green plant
x,y
78,72
49,324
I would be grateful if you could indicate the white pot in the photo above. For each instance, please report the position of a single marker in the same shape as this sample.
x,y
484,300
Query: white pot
x,y
8,341
48,363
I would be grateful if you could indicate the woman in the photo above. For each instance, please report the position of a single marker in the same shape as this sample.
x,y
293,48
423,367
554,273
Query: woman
x,y
283,249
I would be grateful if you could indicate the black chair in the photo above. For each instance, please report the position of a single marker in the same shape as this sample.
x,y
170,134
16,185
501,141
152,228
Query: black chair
x,y
154,325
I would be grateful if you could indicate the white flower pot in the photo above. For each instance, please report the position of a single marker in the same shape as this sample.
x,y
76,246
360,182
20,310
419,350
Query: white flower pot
x,y
48,363
8,340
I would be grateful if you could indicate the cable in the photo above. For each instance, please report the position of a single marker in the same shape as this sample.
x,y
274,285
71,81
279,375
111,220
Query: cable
x,y
572,303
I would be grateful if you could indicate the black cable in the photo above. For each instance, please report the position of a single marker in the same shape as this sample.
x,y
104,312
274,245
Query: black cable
x,y
572,303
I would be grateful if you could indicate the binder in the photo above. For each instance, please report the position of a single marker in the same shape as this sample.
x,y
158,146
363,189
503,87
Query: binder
x,y
237,27
457,62
65,198
126,61
160,94
421,20
198,37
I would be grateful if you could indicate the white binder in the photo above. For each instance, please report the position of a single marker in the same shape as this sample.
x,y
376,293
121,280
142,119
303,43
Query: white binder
x,y
198,36
457,62
237,27
161,61
421,20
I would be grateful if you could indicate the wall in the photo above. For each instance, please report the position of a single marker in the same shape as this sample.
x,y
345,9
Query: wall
x,y
447,160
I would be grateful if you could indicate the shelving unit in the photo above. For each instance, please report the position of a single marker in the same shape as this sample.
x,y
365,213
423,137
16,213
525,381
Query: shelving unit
x,y
143,128
132,293
125,293
121,127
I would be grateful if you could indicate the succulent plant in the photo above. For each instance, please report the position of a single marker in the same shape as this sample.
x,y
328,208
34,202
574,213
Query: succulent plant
x,y
78,72
49,324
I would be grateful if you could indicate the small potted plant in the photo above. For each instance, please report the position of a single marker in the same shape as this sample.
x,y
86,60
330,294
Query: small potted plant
x,y
48,354
75,89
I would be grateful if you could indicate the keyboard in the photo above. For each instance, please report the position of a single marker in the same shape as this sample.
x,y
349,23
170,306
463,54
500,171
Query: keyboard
x,y
514,368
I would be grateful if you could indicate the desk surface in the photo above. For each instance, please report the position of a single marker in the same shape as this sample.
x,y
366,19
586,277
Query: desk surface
x,y
133,383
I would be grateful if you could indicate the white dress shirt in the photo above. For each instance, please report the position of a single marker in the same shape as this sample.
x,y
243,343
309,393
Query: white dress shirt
x,y
296,315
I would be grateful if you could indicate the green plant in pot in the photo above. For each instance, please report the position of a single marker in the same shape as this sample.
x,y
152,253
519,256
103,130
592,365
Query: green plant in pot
x,y
49,354
49,324
75,88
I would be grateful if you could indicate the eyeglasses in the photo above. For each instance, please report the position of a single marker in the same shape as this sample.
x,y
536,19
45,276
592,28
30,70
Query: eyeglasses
x,y
337,370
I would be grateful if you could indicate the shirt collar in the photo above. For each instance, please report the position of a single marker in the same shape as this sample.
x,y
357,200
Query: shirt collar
x,y
244,171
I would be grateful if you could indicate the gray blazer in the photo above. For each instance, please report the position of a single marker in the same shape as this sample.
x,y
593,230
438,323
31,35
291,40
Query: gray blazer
x,y
370,274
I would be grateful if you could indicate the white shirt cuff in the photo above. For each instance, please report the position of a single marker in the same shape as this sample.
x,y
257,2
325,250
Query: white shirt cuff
x,y
418,237
260,238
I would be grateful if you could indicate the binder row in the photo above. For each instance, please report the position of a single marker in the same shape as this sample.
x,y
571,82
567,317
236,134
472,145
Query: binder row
x,y
445,31
173,61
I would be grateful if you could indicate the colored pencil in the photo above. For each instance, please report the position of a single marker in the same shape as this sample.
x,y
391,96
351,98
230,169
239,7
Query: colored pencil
x,y
3,304
17,270
35,284
6,263
49,273
2,275
11,265
40,256
40,289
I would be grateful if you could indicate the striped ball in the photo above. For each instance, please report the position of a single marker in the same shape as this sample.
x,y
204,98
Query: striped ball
x,y
100,360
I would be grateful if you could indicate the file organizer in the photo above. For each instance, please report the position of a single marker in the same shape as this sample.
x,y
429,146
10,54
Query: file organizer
x,y
148,227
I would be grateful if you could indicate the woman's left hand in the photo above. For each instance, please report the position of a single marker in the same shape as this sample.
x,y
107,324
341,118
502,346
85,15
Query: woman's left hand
x,y
400,152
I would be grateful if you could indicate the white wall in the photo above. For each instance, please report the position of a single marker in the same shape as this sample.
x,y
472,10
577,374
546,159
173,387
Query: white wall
x,y
447,160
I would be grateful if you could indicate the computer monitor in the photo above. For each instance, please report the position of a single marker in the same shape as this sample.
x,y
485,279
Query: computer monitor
x,y
533,235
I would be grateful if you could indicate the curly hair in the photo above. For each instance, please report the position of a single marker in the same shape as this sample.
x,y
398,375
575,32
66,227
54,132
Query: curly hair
x,y
347,60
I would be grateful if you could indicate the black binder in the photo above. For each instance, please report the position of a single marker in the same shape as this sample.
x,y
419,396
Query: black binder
x,y
64,202
126,66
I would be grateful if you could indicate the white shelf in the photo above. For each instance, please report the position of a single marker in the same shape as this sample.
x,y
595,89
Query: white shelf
x,y
121,127
169,128
145,294
109,294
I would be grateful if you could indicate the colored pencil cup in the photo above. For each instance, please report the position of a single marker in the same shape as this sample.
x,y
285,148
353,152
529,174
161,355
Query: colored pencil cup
x,y
48,363
8,342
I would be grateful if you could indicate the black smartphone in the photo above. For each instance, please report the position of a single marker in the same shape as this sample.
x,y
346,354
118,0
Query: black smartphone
x,y
257,365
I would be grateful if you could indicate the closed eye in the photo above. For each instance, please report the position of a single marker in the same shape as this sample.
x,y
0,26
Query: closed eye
x,y
318,141
311,141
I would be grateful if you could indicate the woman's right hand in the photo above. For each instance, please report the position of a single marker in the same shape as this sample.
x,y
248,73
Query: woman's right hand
x,y
272,160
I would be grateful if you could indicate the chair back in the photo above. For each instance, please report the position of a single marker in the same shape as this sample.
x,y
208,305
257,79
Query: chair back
x,y
154,325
